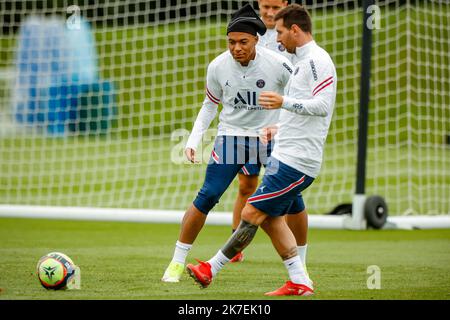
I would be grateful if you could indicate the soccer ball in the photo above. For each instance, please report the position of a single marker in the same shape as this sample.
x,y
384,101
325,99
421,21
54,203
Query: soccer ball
x,y
55,270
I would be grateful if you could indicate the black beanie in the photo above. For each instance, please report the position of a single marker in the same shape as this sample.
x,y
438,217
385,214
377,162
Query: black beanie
x,y
246,20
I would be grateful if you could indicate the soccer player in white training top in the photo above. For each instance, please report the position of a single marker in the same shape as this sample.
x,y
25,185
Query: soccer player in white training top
x,y
306,112
248,175
235,78
267,10
298,223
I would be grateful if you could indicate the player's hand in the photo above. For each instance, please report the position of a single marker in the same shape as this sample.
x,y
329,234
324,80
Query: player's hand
x,y
190,155
268,133
270,100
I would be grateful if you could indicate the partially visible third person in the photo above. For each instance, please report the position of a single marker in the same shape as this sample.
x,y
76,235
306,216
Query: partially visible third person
x,y
267,11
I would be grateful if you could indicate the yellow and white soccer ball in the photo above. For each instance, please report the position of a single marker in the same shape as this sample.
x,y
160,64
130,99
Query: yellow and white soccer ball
x,y
57,271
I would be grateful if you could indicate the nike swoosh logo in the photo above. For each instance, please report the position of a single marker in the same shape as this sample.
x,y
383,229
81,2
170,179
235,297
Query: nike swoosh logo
x,y
296,291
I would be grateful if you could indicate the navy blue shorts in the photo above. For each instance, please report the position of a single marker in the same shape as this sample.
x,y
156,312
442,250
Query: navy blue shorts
x,y
251,168
229,155
280,191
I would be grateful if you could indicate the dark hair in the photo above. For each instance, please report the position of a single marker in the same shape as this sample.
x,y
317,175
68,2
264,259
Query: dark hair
x,y
295,14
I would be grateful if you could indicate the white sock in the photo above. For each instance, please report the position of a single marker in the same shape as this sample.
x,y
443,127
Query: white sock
x,y
181,252
302,253
218,262
296,271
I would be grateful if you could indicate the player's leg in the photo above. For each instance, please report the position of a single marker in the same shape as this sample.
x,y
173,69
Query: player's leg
x,y
282,239
247,186
298,223
297,220
276,195
248,174
204,272
218,177
217,180
284,243
191,225
248,179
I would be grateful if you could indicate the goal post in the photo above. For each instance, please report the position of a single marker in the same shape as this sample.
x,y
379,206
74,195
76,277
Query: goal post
x,y
358,220
97,100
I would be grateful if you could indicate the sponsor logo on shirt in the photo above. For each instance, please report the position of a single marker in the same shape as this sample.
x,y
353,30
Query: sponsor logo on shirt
x,y
246,100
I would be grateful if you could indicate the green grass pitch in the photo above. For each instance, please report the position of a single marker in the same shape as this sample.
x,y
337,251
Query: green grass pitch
x,y
126,261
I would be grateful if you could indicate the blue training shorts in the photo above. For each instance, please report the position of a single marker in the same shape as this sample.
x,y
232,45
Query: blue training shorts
x,y
229,155
280,191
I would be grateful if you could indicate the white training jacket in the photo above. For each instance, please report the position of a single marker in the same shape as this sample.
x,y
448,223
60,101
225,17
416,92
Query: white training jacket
x,y
238,89
307,110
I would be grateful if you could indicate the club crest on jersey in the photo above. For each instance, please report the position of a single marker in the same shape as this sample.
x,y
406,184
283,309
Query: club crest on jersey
x,y
260,83
281,47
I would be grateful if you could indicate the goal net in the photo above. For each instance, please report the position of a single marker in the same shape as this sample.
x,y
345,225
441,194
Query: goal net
x,y
97,99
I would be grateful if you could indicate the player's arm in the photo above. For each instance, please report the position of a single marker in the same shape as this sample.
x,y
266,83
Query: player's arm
x,y
205,116
320,101
320,104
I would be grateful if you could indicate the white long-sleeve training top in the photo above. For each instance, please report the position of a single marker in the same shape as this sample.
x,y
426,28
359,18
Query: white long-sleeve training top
x,y
307,109
238,89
